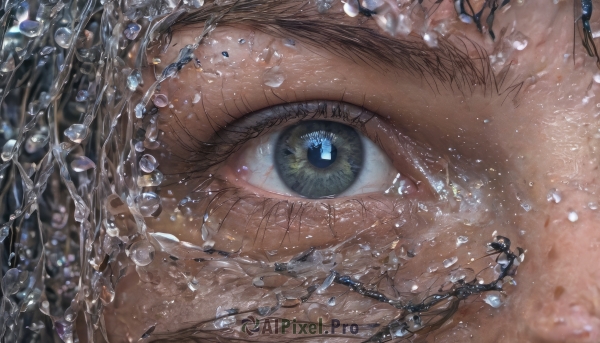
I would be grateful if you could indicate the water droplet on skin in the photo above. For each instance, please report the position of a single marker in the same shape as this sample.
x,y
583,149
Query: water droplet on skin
x,y
7,150
461,240
196,98
273,77
493,299
225,54
139,146
76,133
148,163
132,30
592,206
193,284
148,203
450,261
517,40
132,82
82,95
554,196
30,28
597,77
47,50
160,100
62,37
141,253
572,216
82,163
404,26
331,301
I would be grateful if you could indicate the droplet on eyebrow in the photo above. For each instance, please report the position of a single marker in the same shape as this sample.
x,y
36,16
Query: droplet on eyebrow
x,y
493,299
62,37
450,261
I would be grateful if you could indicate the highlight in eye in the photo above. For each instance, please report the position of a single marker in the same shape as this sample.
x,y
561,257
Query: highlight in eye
x,y
319,158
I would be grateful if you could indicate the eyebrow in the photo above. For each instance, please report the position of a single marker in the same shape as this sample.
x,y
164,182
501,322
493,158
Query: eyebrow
x,y
448,65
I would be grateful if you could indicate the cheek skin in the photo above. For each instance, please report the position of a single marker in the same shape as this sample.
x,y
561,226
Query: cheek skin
x,y
550,140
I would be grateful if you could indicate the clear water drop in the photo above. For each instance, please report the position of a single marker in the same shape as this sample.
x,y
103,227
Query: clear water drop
x,y
430,39
141,253
461,240
151,180
331,301
82,163
76,133
139,110
62,37
132,82
518,40
573,216
554,196
47,50
148,203
35,143
4,232
273,77
11,282
139,146
351,8
592,206
324,5
450,261
22,12
160,100
30,28
8,65
148,163
132,30
404,26
7,150
193,284
493,299
82,95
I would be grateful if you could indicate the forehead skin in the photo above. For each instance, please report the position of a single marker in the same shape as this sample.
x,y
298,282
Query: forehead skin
x,y
544,136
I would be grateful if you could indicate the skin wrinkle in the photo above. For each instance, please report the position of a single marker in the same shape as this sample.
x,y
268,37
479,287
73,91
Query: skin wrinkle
x,y
513,148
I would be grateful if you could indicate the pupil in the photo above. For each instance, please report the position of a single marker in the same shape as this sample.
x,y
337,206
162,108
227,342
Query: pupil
x,y
322,155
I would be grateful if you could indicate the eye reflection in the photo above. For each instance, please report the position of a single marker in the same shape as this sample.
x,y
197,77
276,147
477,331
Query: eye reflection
x,y
319,158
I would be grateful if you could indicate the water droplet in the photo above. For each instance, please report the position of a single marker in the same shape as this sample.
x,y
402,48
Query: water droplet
x,y
592,206
7,149
326,283
404,26
196,98
193,3
30,28
517,40
132,82
76,133
193,284
572,216
148,163
258,282
47,50
554,196
241,41
82,163
139,146
461,240
450,261
132,30
139,110
351,8
331,301
324,5
273,77
8,65
225,54
12,281
493,299
160,100
141,253
148,203
35,143
62,37
4,232
430,39
22,12
82,95
151,180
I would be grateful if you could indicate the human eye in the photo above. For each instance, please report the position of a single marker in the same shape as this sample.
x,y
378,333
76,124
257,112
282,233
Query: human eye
x,y
319,153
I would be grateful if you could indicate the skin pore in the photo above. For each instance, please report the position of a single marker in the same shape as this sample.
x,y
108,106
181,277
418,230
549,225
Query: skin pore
x,y
497,136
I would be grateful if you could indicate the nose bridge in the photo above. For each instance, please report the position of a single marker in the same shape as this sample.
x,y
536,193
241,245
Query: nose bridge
x,y
560,301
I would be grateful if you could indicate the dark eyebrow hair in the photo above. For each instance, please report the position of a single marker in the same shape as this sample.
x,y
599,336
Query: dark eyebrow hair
x,y
448,65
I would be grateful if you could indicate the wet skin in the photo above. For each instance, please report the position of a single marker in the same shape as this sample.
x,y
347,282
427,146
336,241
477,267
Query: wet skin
x,y
519,144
